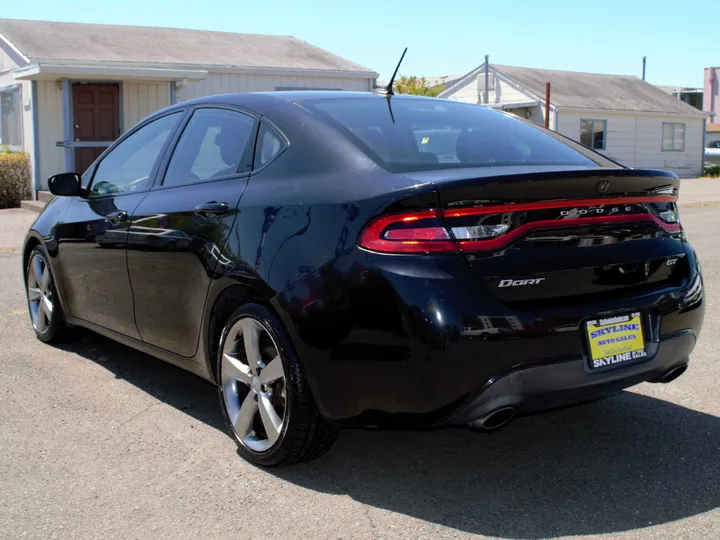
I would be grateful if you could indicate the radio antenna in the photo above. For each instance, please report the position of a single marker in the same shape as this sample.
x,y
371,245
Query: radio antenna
x,y
389,89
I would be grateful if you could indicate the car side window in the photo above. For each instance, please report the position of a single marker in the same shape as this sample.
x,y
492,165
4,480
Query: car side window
x,y
213,145
128,166
269,145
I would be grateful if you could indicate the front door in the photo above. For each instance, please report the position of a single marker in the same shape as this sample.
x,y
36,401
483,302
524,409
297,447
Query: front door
x,y
92,238
96,117
178,231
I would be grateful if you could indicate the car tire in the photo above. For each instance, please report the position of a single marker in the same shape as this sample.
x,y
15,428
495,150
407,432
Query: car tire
x,y
264,395
46,314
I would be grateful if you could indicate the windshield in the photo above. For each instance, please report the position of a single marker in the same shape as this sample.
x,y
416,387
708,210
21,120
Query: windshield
x,y
424,134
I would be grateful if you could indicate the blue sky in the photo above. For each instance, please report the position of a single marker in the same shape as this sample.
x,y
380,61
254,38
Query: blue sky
x,y
445,37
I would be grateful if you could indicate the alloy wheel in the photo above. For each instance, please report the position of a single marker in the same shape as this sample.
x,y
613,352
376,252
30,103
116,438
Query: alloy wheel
x,y
39,293
254,384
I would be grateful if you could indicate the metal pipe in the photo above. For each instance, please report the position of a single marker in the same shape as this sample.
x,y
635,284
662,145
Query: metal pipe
x,y
644,63
547,105
487,79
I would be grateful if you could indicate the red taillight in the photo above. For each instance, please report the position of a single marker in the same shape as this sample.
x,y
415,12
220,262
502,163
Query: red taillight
x,y
415,232
434,231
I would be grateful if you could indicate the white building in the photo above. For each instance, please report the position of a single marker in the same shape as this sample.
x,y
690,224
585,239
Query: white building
x,y
68,90
620,116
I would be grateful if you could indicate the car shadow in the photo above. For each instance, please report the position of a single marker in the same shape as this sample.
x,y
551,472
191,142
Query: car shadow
x,y
621,464
176,387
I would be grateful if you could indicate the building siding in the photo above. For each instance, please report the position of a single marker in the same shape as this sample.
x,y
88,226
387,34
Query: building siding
x,y
225,83
636,140
142,99
50,129
649,146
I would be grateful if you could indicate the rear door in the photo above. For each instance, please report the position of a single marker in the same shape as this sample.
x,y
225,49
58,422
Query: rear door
x,y
179,228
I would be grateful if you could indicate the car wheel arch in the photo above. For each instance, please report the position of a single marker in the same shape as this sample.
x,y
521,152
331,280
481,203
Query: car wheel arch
x,y
31,243
223,306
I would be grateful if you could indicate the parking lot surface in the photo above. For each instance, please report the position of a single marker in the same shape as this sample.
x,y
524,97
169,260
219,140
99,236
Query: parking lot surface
x,y
98,441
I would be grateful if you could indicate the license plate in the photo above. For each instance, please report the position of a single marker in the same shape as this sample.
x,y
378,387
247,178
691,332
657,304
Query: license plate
x,y
614,341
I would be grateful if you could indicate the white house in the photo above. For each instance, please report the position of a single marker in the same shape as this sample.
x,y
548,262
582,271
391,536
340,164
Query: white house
x,y
68,90
623,117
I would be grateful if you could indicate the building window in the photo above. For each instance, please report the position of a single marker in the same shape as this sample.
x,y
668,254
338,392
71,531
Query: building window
x,y
593,133
673,137
11,118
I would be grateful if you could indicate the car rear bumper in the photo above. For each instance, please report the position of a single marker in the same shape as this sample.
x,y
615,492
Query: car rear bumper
x,y
386,341
550,386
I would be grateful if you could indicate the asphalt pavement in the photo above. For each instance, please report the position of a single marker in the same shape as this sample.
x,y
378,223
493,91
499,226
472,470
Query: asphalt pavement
x,y
98,441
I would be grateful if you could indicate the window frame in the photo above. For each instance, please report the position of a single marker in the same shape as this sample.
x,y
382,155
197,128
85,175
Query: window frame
x,y
159,183
264,122
672,138
154,171
14,147
592,131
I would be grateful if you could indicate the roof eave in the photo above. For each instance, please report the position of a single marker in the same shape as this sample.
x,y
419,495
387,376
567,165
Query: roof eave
x,y
697,114
502,76
249,70
40,72
13,52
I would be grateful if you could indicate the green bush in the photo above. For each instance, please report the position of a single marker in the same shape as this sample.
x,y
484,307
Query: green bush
x,y
14,178
712,171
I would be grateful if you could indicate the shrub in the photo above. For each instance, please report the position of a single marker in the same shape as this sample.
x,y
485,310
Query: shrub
x,y
712,171
14,178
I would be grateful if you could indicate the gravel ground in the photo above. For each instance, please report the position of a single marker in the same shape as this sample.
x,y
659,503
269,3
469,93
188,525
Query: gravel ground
x,y
100,441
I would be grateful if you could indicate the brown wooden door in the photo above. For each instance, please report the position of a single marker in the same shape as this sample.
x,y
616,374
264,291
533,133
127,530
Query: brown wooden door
x,y
96,115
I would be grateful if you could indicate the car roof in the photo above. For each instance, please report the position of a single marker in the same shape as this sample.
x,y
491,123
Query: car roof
x,y
277,99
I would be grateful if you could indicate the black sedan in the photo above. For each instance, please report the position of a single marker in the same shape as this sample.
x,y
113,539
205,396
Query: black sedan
x,y
332,259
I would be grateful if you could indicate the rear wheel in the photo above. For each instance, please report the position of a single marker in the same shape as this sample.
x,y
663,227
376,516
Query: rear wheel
x,y
45,310
265,398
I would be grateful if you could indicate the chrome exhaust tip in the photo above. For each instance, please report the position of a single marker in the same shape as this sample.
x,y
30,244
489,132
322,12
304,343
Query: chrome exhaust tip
x,y
671,375
494,420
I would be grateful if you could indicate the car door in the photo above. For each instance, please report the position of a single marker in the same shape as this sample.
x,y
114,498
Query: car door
x,y
178,230
92,238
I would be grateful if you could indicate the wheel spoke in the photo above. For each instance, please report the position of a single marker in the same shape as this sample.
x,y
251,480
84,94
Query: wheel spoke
x,y
243,422
235,369
251,342
273,371
34,293
37,271
271,421
41,322
45,279
47,306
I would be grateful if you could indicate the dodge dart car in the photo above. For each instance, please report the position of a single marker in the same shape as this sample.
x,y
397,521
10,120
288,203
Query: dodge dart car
x,y
338,259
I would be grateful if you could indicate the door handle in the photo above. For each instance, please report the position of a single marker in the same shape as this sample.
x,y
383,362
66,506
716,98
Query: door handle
x,y
212,209
117,217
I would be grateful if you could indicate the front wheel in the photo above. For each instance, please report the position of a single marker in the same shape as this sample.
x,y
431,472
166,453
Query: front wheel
x,y
264,395
45,310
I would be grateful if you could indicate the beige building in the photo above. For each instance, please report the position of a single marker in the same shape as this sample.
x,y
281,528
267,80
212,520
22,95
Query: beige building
x,y
620,116
68,90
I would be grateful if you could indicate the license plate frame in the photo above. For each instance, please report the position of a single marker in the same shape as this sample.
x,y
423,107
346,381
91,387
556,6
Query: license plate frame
x,y
615,341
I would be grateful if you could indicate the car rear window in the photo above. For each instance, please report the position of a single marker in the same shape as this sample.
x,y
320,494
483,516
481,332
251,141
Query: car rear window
x,y
408,134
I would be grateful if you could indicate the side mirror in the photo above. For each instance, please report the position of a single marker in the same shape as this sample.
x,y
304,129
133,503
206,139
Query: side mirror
x,y
65,184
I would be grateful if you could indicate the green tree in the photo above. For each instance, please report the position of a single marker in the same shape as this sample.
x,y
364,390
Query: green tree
x,y
417,86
